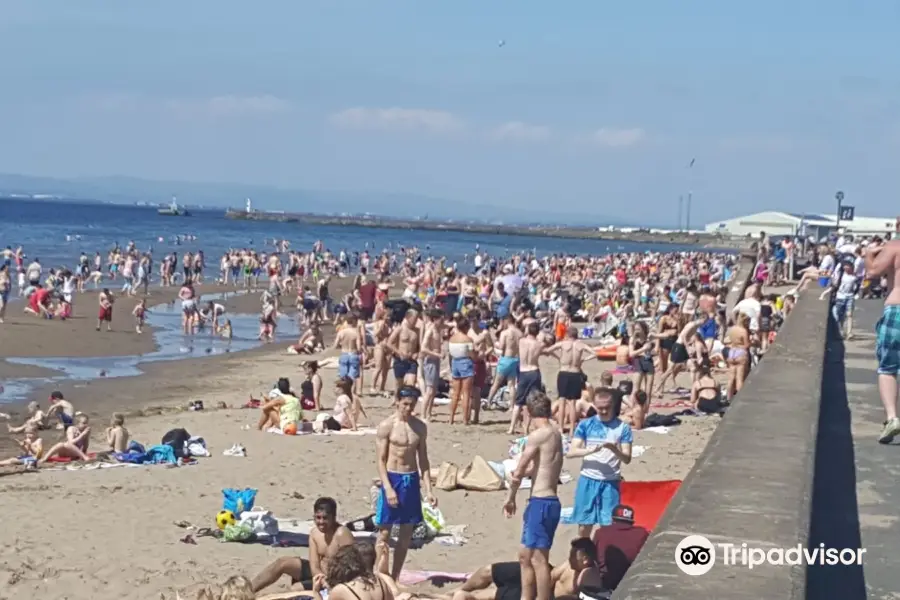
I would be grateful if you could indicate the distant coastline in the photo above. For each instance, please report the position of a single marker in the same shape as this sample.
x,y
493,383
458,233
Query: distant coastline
x,y
706,240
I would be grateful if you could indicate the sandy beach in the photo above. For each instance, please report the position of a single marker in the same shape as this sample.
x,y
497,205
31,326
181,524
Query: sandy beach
x,y
121,540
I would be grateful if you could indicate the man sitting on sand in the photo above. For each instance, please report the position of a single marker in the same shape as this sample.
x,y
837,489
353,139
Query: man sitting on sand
x,y
311,341
78,436
503,581
325,540
32,448
36,418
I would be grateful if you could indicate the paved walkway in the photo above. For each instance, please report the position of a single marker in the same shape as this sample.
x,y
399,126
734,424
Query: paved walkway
x,y
856,497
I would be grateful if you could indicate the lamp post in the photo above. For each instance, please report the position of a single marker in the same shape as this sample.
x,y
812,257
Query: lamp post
x,y
839,196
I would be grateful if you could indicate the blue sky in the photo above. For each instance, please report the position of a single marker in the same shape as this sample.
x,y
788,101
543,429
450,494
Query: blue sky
x,y
589,105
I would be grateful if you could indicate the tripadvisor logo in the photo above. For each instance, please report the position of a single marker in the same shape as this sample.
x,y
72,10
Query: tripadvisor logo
x,y
696,555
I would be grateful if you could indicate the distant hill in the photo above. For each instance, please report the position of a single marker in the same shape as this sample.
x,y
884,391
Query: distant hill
x,y
132,190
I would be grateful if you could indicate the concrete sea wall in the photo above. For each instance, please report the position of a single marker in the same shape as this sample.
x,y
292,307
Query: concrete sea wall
x,y
754,481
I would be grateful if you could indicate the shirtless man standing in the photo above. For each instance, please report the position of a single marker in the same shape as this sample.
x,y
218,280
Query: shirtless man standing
x,y
432,343
530,348
570,381
324,541
508,364
351,346
106,308
883,260
404,345
483,344
542,460
401,442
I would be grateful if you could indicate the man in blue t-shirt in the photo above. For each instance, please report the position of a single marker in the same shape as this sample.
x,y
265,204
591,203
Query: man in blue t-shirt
x,y
605,443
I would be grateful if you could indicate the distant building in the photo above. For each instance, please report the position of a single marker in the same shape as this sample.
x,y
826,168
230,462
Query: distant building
x,y
776,223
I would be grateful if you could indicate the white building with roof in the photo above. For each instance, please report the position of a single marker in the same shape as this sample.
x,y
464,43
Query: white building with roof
x,y
776,223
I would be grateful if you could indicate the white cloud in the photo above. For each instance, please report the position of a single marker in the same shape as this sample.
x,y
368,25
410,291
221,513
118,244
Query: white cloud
x,y
617,138
404,119
516,131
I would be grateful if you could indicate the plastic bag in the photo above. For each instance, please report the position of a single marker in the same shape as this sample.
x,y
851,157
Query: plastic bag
x,y
433,518
239,501
260,521
237,533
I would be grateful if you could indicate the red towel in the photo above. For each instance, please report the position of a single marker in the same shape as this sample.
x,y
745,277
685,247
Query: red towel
x,y
66,459
649,499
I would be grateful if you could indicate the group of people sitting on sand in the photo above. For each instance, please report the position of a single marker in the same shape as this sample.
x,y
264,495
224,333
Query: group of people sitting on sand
x,y
75,442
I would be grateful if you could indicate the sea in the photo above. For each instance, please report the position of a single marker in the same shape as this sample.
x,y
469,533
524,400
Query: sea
x,y
57,232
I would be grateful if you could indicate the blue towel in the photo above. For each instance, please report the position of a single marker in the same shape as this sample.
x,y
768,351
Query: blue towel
x,y
161,454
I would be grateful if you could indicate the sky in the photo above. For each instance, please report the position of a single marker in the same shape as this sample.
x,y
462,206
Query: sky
x,y
581,106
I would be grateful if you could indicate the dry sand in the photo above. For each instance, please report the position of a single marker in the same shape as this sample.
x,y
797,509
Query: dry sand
x,y
110,534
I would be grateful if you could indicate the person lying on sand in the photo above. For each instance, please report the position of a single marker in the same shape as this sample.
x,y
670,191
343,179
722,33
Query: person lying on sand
x,y
503,581
78,436
116,434
32,448
36,418
234,588
325,540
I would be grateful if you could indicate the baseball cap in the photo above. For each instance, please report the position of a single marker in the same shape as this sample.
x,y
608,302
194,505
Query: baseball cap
x,y
57,395
623,513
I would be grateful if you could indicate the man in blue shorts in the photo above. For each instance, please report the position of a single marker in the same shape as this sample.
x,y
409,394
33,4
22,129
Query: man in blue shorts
x,y
403,467
883,260
604,442
542,458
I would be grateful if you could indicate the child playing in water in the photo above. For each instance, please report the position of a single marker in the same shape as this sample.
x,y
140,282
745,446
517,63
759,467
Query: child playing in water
x,y
32,448
140,314
116,434
225,330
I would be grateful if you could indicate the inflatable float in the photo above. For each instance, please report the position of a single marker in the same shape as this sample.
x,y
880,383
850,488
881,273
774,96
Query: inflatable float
x,y
607,352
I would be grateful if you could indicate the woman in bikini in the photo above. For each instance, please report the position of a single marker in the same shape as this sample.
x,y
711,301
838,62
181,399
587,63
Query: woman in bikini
x,y
311,387
706,395
667,333
738,354
75,447
641,354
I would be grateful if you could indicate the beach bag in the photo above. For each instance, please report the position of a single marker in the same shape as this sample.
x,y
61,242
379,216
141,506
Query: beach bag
x,y
260,521
238,501
177,438
433,518
237,533
479,477
446,477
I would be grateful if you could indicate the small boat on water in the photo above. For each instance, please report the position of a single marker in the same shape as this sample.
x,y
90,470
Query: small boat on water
x,y
173,210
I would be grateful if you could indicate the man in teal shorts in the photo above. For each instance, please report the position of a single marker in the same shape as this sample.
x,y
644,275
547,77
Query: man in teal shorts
x,y
883,260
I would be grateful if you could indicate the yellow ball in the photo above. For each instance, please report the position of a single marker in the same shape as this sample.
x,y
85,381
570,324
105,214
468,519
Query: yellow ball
x,y
225,518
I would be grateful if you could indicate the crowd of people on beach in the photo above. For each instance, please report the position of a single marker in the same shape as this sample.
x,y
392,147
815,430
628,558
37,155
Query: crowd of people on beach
x,y
414,328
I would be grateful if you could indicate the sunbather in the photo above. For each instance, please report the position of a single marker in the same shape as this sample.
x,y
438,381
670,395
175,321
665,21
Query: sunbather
x,y
324,542
503,581
78,437
350,578
282,409
116,434
32,448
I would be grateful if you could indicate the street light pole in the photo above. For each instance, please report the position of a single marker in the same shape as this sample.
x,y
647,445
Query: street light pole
x,y
680,208
840,199
687,218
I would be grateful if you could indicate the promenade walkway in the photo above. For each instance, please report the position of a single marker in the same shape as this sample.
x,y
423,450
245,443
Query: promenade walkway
x,y
856,498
